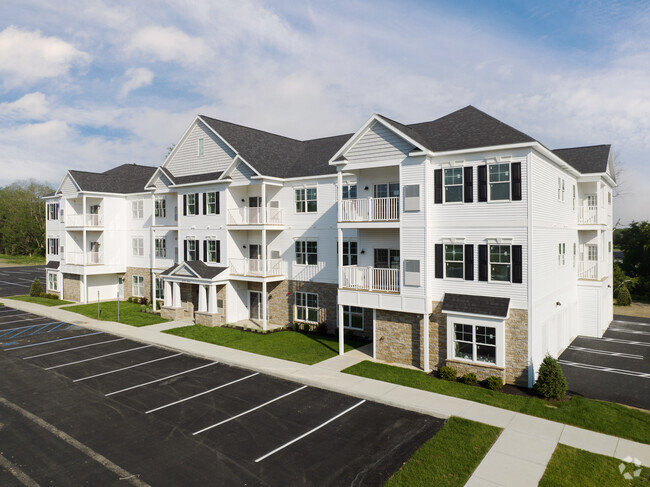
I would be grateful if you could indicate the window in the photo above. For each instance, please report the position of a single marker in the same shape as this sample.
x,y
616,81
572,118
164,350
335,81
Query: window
x,y
160,208
499,179
453,184
192,206
306,200
609,197
500,264
454,261
161,247
592,252
563,190
307,307
200,151
53,211
211,247
137,209
353,317
559,189
160,288
192,253
609,247
52,281
349,191
574,196
137,244
561,253
350,255
211,203
53,246
475,343
137,289
412,197
306,252
574,253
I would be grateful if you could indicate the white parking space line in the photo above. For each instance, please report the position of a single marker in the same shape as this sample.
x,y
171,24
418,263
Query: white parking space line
x,y
605,352
249,411
52,341
97,358
161,379
8,310
310,431
24,319
619,340
201,393
605,369
8,330
16,314
73,348
635,332
129,367
631,323
15,284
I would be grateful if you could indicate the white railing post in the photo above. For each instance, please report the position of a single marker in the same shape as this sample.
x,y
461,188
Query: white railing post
x,y
371,279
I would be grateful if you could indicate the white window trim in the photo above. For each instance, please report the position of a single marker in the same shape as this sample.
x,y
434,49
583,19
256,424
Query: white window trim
x,y
462,186
305,188
497,323
444,260
348,253
195,204
139,247
192,240
56,276
200,147
346,325
489,193
135,285
500,242
295,257
307,308
160,251
160,204
208,240
207,202
137,209
162,288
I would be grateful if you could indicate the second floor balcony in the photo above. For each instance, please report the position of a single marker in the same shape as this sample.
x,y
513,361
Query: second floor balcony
x,y
370,210
87,258
371,279
588,269
255,216
257,267
88,220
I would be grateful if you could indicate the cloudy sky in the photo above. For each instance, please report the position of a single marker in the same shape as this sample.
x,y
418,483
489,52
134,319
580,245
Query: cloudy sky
x,y
92,84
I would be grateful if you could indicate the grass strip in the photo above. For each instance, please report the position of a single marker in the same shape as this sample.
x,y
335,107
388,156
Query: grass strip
x,y
130,313
39,300
19,260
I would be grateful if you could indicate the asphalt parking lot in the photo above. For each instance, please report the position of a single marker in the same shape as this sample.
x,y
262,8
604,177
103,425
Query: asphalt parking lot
x,y
615,367
86,407
17,280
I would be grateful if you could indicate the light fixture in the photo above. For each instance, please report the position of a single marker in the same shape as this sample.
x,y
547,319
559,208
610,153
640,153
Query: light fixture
x,y
363,251
558,304
244,246
366,188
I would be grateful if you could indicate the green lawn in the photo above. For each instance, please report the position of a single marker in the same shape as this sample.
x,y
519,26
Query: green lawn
x,y
130,313
572,467
43,301
306,348
601,416
449,458
19,260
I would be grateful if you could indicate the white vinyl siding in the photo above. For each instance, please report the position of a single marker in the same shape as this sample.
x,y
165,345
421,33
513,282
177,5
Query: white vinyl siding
x,y
377,144
242,173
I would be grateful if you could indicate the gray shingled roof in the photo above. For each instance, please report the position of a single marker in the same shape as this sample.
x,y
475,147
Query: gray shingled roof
x,y
52,264
478,305
196,178
591,159
124,179
201,268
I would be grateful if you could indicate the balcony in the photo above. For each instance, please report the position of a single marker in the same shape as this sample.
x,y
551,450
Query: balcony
x,y
370,210
253,216
588,269
370,279
89,220
77,258
588,215
257,267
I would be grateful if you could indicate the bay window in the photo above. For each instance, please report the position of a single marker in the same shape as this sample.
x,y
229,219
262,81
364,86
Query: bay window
x,y
475,343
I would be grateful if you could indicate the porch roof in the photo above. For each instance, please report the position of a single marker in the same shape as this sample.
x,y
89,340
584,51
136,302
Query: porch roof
x,y
476,305
201,269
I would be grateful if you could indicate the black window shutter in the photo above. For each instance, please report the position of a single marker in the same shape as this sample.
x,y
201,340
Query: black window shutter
x,y
482,262
196,206
469,262
437,180
216,199
196,249
205,251
482,183
468,182
185,250
218,249
185,205
205,203
516,264
439,271
515,169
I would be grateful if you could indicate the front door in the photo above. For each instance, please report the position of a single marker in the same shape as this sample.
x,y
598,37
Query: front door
x,y
386,259
255,305
254,257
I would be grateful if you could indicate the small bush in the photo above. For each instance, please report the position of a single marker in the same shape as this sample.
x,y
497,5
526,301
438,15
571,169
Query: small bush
x,y
494,383
447,373
143,301
470,379
296,327
624,298
321,329
305,327
36,289
551,383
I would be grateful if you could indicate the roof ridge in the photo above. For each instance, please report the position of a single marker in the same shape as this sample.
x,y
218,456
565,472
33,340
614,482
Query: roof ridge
x,y
583,147
250,128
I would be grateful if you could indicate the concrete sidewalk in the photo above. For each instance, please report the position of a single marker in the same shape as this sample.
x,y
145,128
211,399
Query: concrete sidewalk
x,y
518,458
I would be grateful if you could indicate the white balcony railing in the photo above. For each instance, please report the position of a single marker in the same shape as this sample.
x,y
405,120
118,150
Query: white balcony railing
x,y
77,258
587,269
257,267
588,215
370,209
370,279
253,216
90,220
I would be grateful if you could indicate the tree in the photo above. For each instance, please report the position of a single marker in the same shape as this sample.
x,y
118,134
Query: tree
x,y
634,241
551,383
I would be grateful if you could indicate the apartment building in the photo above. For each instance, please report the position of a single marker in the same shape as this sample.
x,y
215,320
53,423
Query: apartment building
x,y
459,241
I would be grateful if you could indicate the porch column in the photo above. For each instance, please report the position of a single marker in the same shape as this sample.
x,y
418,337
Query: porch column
x,y
154,304
212,298
177,296
83,237
340,256
374,333
84,285
169,299
340,323
425,339
339,192
265,266
202,298
263,203
263,303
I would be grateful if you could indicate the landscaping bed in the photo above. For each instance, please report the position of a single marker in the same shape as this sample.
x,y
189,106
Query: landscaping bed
x,y
305,348
40,300
604,417
130,313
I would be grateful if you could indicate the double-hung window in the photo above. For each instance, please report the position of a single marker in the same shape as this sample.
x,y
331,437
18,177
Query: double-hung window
x,y
454,261
306,252
192,251
592,252
500,263
307,307
137,244
53,246
499,179
137,209
211,247
350,255
353,317
192,204
306,200
453,184
201,147
160,208
349,191
211,203
475,343
561,253
53,211
161,247
52,281
137,288
160,289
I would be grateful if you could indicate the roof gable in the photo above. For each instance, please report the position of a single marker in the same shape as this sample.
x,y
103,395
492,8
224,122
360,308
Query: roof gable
x,y
378,142
124,179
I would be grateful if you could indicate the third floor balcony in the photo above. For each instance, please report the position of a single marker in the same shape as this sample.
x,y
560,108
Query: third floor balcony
x,y
370,210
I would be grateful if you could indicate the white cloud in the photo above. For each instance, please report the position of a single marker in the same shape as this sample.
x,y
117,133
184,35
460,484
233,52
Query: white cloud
x,y
26,57
32,106
168,44
135,78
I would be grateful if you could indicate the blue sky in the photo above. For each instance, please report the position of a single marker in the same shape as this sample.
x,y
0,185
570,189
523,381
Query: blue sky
x,y
93,84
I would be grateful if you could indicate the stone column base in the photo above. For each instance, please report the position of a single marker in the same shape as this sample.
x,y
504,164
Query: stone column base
x,y
171,313
208,319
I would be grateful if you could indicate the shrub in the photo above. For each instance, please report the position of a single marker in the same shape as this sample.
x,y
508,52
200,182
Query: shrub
x,y
624,298
470,379
447,373
551,383
305,327
494,383
36,289
296,327
143,301
321,329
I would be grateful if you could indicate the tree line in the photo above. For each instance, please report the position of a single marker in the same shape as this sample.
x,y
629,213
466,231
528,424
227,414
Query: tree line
x,y
634,272
22,218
